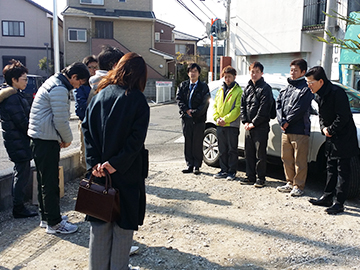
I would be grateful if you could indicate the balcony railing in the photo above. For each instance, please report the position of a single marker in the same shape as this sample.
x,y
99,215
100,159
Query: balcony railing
x,y
314,18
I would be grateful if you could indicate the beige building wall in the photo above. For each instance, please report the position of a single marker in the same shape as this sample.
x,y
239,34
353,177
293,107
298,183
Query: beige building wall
x,y
128,34
76,51
141,5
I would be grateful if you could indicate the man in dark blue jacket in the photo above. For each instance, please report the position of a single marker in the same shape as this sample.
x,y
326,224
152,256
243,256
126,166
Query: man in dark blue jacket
x,y
14,115
193,101
293,115
337,124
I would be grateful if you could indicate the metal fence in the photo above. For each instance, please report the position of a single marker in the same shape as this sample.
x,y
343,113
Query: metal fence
x,y
313,13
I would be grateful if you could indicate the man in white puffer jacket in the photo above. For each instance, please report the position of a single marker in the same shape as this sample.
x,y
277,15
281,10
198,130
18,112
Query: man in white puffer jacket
x,y
49,129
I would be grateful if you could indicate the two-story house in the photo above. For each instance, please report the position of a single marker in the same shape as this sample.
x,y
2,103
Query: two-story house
x,y
276,33
127,25
26,34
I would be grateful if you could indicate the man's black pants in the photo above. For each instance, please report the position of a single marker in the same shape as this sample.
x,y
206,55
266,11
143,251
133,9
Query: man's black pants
x,y
46,157
228,138
338,176
193,134
255,153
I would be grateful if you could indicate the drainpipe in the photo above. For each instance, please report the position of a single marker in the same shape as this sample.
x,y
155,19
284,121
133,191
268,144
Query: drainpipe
x,y
327,50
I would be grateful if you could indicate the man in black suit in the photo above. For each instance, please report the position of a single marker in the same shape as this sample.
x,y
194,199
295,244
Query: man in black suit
x,y
193,101
337,124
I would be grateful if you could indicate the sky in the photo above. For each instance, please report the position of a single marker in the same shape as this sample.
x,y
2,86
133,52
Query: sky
x,y
172,12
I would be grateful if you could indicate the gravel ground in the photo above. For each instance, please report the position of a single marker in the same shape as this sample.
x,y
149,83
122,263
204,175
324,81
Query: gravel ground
x,y
198,222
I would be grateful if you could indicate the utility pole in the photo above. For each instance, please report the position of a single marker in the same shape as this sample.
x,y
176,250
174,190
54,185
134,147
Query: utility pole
x,y
227,19
327,50
56,39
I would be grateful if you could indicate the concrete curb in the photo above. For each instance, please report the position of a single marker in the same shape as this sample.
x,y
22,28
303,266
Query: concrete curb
x,y
70,160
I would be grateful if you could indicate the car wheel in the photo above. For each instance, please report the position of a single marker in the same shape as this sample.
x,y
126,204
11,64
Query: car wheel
x,y
354,184
210,147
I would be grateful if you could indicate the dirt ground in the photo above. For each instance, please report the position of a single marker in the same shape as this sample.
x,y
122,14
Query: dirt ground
x,y
198,222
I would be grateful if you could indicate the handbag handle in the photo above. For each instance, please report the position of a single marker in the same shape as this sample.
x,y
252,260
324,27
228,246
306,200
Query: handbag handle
x,y
108,183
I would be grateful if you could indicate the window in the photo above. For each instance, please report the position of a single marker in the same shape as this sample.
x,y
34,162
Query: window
x,y
181,48
157,36
104,29
77,35
121,0
314,13
13,28
7,59
92,2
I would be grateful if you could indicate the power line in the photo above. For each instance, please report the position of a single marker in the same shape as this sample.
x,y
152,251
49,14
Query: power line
x,y
202,2
200,9
189,10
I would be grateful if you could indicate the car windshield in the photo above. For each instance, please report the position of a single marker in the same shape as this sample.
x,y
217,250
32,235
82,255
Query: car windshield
x,y
353,96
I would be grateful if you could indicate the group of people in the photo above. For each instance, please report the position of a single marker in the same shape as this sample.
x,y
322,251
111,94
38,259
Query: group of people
x,y
254,107
113,118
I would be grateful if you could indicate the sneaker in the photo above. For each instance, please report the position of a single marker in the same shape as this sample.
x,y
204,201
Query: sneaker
x,y
296,192
64,227
43,223
231,176
134,250
246,181
133,267
259,183
220,174
287,188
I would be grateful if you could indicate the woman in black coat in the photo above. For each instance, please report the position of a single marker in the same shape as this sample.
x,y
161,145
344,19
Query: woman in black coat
x,y
14,116
115,127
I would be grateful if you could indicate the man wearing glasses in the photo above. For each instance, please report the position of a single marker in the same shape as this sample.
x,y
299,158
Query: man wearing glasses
x,y
337,124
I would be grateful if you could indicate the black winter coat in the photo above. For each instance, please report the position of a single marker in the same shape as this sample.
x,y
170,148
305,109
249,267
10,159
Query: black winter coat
x,y
115,128
256,102
335,114
14,114
199,100
293,107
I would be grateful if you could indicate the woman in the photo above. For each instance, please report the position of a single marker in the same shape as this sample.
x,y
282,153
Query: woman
x,y
115,127
14,116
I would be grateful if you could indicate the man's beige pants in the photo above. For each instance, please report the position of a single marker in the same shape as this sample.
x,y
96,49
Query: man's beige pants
x,y
294,152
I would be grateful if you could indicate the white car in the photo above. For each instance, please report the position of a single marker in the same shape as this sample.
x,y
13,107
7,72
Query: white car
x,y
316,144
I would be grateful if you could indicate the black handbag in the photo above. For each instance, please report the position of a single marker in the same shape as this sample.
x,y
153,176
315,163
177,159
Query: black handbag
x,y
101,202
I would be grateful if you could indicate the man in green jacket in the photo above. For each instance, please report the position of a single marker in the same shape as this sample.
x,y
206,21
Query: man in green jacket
x,y
227,117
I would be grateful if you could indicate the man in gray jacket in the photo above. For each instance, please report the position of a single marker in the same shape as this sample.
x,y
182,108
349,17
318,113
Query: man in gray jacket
x,y
50,130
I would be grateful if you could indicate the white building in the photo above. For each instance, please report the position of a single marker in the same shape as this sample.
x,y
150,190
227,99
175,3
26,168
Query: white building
x,y
278,31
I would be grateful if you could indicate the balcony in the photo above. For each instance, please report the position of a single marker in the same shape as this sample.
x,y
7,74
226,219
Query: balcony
x,y
314,18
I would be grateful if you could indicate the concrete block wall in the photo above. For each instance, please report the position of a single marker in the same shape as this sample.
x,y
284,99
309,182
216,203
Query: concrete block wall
x,y
70,160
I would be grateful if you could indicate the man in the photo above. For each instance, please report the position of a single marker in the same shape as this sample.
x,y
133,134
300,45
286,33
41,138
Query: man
x,y
14,116
337,124
256,103
193,101
49,129
81,95
293,116
107,59
227,117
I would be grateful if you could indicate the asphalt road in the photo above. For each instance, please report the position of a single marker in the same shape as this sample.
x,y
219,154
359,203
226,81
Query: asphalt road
x,y
164,129
164,139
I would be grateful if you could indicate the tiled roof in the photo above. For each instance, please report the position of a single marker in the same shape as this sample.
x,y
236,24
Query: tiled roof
x,y
108,13
183,36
